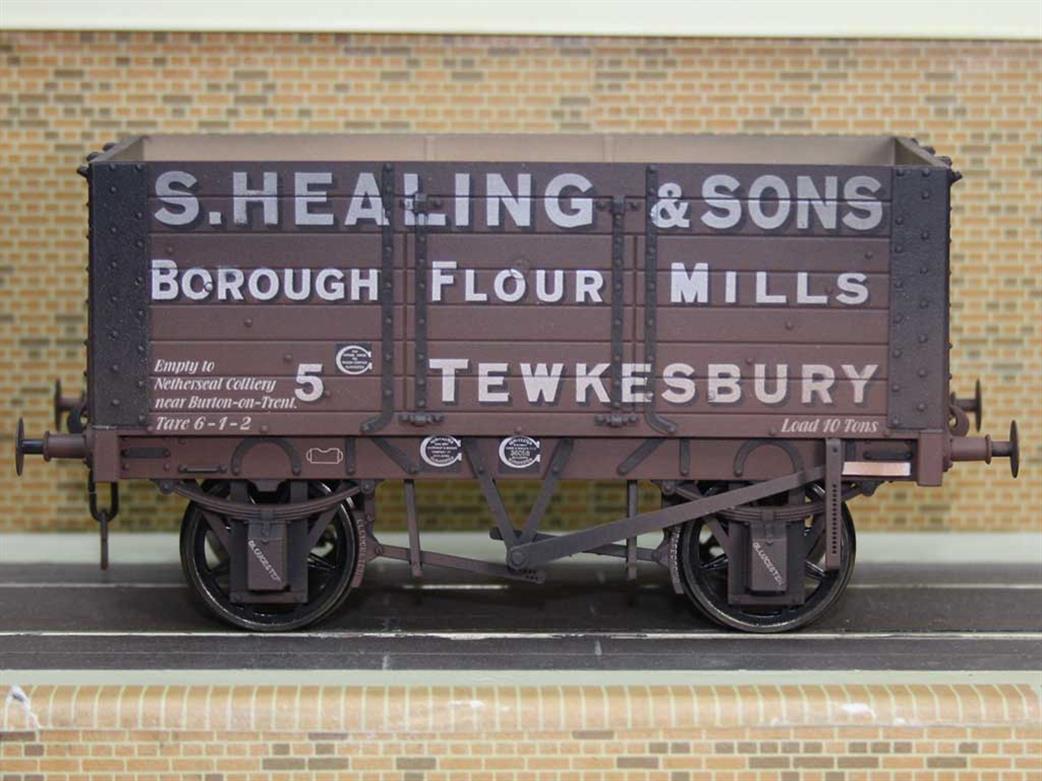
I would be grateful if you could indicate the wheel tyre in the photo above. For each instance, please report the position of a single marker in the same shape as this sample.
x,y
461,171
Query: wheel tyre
x,y
254,617
715,607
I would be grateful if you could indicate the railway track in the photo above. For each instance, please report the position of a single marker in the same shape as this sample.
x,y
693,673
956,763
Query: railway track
x,y
896,616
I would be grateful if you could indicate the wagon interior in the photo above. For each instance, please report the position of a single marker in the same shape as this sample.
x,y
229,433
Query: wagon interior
x,y
577,148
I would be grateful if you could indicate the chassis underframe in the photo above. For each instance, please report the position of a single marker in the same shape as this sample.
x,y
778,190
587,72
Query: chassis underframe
x,y
528,549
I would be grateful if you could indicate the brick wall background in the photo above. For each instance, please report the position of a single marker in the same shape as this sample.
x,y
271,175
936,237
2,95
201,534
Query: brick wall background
x,y
64,94
638,733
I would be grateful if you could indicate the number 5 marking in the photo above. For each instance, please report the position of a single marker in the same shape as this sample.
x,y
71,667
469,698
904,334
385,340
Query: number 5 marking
x,y
312,384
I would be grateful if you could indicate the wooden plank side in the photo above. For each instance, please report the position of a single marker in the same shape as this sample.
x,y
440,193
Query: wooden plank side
x,y
795,357
547,286
439,178
747,324
520,323
522,278
754,253
269,357
513,353
794,338
217,214
523,251
592,459
795,396
259,393
254,250
739,253
690,216
501,423
264,322
772,325
296,286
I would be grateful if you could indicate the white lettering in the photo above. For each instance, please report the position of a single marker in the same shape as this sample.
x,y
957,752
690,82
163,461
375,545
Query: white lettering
x,y
681,388
589,378
859,191
781,385
818,380
724,383
581,208
541,381
448,368
499,285
266,196
173,188
762,296
859,379
635,381
462,214
188,290
366,202
855,291
164,280
305,196
497,193
541,291
776,185
229,284
824,208
689,288
718,193
329,284
492,384
588,285
803,294
439,279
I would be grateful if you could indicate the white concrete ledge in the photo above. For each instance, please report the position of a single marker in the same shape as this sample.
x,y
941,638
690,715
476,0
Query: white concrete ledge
x,y
903,547
341,677
928,19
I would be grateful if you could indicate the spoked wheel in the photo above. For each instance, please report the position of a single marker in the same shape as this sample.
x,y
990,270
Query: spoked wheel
x,y
703,568
331,563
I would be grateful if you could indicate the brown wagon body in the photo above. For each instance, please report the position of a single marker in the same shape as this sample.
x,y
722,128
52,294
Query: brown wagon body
x,y
272,314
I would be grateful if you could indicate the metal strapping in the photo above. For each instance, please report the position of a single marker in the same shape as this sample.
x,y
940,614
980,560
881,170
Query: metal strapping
x,y
413,521
349,455
643,450
420,304
653,419
386,304
618,299
631,542
685,457
396,455
617,417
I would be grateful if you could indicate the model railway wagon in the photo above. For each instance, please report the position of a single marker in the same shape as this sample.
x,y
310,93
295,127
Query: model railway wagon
x,y
759,325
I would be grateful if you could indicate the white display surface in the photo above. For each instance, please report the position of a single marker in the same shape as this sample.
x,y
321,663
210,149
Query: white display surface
x,y
927,19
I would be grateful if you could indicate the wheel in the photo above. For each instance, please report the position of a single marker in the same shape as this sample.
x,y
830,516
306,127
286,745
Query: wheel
x,y
331,564
703,569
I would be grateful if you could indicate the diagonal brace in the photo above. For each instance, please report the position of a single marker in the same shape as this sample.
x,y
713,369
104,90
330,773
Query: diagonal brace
x,y
507,532
558,461
492,496
534,554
